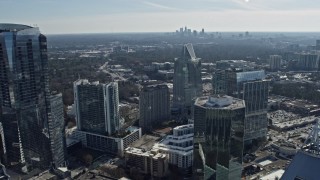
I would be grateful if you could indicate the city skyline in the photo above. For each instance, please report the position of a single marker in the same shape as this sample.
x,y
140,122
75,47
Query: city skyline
x,y
58,17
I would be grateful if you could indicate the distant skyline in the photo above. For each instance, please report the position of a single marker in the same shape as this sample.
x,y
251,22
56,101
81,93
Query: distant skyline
x,y
113,16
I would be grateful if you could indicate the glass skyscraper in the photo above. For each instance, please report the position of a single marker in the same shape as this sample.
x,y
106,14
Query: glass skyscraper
x,y
187,84
253,88
218,137
25,95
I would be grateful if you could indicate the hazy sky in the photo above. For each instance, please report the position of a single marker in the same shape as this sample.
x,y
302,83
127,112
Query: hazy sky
x,y
95,16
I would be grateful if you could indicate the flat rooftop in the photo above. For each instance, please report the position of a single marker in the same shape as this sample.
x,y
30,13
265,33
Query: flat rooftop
x,y
219,102
146,142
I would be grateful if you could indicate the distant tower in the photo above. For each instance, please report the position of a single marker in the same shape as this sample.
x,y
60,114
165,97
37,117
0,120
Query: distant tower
x,y
154,106
187,84
318,45
275,62
218,138
97,107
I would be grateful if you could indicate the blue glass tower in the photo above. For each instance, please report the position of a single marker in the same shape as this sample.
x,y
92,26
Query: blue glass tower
x,y
24,95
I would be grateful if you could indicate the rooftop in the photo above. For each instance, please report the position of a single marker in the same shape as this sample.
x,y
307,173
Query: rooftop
x,y
146,142
219,102
13,27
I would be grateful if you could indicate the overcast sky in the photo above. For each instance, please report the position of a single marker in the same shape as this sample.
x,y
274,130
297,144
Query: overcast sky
x,y
98,16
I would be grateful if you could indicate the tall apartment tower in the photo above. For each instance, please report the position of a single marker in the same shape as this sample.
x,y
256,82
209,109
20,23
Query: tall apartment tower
x,y
187,84
154,106
25,95
308,61
275,62
253,88
218,137
97,107
57,130
318,44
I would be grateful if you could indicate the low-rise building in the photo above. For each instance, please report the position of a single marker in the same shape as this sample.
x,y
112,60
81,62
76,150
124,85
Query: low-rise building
x,y
152,163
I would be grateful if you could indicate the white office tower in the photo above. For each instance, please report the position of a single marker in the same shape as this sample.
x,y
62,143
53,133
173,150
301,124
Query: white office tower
x,y
275,62
178,146
97,107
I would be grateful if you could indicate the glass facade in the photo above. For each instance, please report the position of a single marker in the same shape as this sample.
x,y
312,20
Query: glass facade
x,y
112,100
218,138
250,76
90,109
252,87
187,84
57,131
25,91
97,107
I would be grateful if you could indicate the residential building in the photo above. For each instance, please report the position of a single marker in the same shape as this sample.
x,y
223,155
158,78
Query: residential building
x,y
151,163
57,130
308,62
187,84
275,62
178,146
97,107
154,106
317,44
109,144
218,137
253,88
25,96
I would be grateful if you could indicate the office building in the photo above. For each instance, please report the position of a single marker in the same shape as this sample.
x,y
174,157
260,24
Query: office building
x,y
178,146
150,163
218,137
253,88
187,84
24,94
275,62
97,107
57,131
154,106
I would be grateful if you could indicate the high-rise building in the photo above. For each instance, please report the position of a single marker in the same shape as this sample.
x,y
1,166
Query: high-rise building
x,y
218,137
187,84
154,106
25,94
309,62
97,107
253,88
318,44
57,131
275,62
